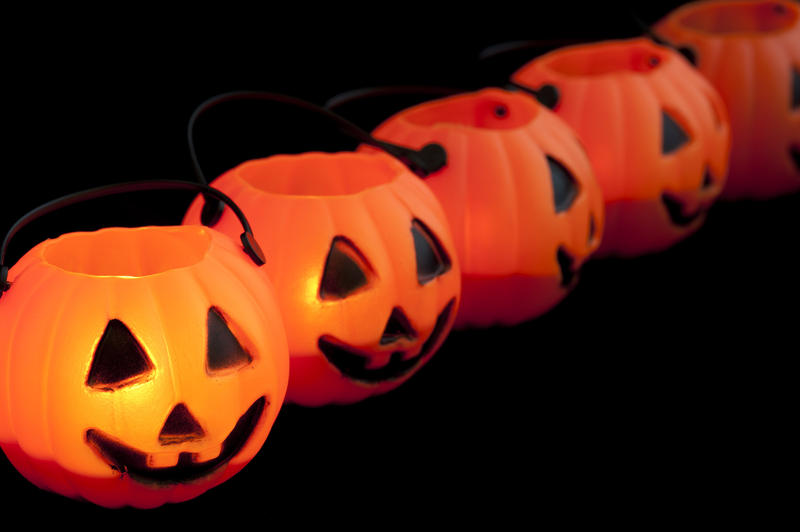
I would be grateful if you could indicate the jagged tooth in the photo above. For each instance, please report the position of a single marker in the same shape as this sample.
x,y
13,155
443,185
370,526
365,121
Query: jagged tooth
x,y
156,460
207,454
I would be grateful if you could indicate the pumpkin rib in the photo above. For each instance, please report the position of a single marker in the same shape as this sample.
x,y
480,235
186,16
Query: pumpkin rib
x,y
543,147
619,139
512,193
27,299
25,438
233,410
747,64
233,275
638,89
282,226
578,116
457,147
775,58
369,207
462,148
565,139
69,287
231,270
31,296
526,142
167,353
684,104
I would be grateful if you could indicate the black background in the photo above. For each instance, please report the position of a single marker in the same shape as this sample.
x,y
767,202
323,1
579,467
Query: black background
x,y
660,384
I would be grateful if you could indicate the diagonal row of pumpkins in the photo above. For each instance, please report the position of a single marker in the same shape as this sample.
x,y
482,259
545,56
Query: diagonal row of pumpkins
x,y
144,366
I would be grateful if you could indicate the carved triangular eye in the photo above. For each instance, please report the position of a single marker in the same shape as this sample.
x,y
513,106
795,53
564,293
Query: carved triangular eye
x,y
795,89
346,270
673,135
119,360
432,260
565,188
224,351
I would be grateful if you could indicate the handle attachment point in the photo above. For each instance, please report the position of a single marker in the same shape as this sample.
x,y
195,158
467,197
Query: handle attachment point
x,y
423,162
4,284
252,248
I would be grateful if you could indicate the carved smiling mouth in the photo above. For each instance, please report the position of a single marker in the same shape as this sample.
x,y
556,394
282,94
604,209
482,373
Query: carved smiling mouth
x,y
674,208
352,362
566,265
134,462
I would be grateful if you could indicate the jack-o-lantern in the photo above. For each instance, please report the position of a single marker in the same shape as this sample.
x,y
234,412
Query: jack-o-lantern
x,y
656,132
139,366
520,196
363,266
750,51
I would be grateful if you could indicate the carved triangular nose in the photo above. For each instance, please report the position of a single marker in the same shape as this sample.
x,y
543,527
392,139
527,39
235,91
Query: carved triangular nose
x,y
180,426
397,327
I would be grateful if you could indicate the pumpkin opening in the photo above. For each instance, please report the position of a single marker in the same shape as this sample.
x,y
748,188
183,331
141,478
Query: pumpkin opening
x,y
320,174
129,252
485,110
758,17
595,60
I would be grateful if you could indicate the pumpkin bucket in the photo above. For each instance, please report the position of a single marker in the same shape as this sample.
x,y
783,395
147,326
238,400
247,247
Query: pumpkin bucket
x,y
656,132
367,276
139,365
750,52
519,194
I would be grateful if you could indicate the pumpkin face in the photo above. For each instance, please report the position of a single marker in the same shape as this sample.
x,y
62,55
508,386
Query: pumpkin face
x,y
141,366
520,196
656,132
363,264
750,52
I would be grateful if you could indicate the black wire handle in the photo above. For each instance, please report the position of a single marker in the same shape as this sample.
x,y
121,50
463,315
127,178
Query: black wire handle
x,y
504,48
249,243
422,162
547,95
347,97
686,51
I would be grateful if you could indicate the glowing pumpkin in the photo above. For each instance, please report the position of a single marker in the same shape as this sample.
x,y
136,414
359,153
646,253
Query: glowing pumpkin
x,y
363,265
750,51
519,194
656,132
138,365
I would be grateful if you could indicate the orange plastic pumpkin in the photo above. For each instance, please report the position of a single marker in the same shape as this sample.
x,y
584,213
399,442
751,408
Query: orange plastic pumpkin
x,y
750,51
362,262
655,130
138,365
520,196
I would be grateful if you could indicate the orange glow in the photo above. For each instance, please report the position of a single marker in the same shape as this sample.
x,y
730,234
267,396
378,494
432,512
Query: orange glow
x,y
359,209
104,347
624,98
498,196
750,52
